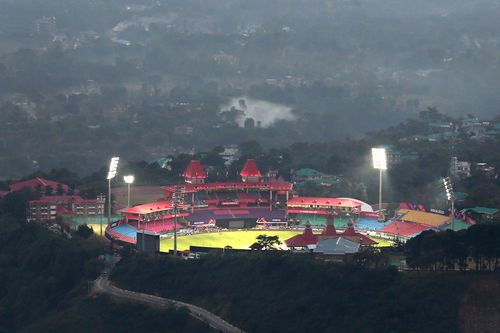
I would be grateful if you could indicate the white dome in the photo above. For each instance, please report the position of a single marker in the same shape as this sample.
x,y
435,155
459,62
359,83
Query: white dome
x,y
364,206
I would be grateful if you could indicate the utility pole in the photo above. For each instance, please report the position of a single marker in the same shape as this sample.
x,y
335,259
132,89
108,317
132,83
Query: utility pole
x,y
177,201
113,166
448,187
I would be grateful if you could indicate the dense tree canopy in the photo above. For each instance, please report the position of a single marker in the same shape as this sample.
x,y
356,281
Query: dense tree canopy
x,y
272,292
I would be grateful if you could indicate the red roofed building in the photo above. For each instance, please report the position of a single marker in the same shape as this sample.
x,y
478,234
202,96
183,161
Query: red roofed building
x,y
308,238
325,205
303,240
405,229
48,207
195,173
250,172
39,184
315,210
150,212
353,235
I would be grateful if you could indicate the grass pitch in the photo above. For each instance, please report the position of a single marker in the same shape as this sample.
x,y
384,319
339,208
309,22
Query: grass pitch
x,y
97,228
235,239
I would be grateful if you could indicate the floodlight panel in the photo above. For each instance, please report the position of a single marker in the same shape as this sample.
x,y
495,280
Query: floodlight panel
x,y
111,175
129,179
448,186
379,157
113,165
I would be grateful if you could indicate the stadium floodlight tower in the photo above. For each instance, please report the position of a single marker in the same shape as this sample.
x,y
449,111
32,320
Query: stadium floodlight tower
x,y
379,157
113,167
448,188
177,201
129,179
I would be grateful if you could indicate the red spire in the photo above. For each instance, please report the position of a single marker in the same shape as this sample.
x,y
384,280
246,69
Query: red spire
x,y
250,169
350,233
329,230
194,170
307,238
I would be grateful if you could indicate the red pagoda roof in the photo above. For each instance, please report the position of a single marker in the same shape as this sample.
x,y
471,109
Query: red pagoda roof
x,y
195,170
329,231
306,238
250,169
351,234
35,182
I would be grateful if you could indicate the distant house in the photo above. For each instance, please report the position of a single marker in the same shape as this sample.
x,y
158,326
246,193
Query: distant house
x,y
460,169
433,137
312,175
483,214
393,154
441,126
474,127
307,174
39,184
230,154
46,25
164,162
485,170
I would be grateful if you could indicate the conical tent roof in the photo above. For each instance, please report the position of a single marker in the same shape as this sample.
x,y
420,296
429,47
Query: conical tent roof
x,y
350,233
306,238
250,169
329,231
195,170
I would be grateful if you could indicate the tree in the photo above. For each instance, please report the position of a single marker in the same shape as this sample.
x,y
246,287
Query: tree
x,y
250,149
16,203
268,242
49,190
84,231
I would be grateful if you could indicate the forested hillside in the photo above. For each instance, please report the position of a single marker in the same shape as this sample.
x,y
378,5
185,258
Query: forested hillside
x,y
289,293
40,269
102,315
45,283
